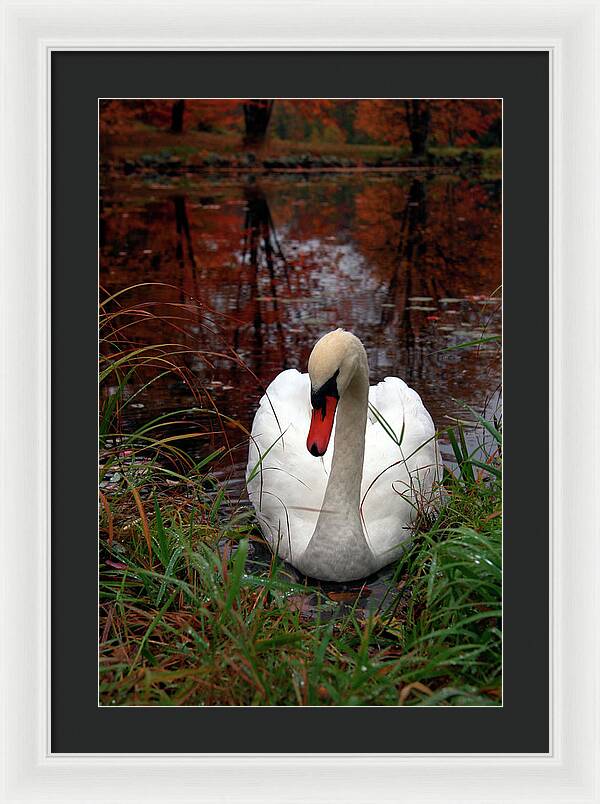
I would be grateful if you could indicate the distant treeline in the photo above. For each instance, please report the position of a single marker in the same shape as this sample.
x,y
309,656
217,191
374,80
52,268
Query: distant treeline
x,y
415,122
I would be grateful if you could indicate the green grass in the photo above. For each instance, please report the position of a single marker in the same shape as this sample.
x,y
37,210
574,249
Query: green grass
x,y
145,147
188,617
183,623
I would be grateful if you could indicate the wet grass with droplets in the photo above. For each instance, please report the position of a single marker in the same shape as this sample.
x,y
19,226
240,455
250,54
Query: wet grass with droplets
x,y
184,622
188,618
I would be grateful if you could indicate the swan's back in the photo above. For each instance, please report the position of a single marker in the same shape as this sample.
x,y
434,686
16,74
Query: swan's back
x,y
398,478
286,484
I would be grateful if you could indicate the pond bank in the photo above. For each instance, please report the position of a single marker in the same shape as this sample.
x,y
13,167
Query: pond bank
x,y
196,152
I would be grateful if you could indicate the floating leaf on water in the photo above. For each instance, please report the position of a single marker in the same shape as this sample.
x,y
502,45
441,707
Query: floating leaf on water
x,y
450,301
423,309
420,298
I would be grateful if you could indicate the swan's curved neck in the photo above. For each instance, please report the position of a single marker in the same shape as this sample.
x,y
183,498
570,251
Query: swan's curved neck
x,y
338,542
343,488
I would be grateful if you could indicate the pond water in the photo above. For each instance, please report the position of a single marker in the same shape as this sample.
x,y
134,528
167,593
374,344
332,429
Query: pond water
x,y
247,271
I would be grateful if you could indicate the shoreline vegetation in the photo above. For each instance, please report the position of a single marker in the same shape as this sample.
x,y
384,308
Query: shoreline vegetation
x,y
195,611
148,150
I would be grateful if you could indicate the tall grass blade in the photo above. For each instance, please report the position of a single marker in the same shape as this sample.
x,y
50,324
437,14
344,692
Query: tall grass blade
x,y
237,570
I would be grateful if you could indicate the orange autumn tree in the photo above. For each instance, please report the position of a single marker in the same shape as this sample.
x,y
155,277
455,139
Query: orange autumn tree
x,y
251,117
248,115
414,121
202,114
117,116
418,121
461,122
176,115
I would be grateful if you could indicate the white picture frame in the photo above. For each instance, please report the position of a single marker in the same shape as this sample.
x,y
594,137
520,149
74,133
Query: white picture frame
x,y
569,32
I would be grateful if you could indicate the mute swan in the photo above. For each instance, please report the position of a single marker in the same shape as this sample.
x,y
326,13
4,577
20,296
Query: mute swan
x,y
340,514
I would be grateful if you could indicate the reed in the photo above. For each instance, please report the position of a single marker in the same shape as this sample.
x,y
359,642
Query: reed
x,y
194,611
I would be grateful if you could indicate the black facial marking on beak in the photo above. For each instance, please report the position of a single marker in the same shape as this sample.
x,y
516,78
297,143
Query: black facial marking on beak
x,y
329,388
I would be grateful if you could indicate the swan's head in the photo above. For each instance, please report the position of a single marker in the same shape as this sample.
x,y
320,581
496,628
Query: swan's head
x,y
331,367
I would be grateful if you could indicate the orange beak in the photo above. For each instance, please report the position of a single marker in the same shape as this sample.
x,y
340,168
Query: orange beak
x,y
321,425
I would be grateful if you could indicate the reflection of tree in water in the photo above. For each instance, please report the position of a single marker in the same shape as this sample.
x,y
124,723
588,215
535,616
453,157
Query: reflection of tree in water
x,y
182,225
430,238
262,251
407,279
350,247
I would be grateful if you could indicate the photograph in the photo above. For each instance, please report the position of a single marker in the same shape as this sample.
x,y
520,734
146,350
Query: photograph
x,y
300,402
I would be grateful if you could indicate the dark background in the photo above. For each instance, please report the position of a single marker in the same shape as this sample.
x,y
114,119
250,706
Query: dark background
x,y
78,80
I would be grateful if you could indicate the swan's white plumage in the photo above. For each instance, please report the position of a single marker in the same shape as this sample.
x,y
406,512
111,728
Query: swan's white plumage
x,y
288,487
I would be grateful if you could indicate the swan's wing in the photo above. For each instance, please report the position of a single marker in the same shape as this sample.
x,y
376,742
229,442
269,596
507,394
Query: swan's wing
x,y
397,478
286,484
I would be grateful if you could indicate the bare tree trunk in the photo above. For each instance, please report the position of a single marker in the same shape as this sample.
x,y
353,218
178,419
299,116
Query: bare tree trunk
x,y
257,113
418,117
177,116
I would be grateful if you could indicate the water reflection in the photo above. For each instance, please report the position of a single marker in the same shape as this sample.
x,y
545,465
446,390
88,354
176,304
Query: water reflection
x,y
184,247
407,261
262,251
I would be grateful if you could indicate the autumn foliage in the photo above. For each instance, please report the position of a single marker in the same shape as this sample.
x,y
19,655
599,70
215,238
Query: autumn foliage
x,y
447,122
203,115
417,123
